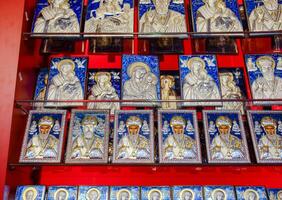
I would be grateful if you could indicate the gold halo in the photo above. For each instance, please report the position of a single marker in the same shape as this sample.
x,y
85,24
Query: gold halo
x,y
61,190
123,190
278,193
265,58
29,189
250,190
186,190
93,189
155,190
108,74
221,190
66,61
223,118
191,60
132,66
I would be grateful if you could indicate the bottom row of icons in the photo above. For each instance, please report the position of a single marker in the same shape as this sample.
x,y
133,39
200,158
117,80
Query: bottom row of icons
x,y
38,192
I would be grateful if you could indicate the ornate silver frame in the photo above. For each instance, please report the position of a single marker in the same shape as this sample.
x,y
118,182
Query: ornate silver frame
x,y
61,137
254,140
105,139
197,137
151,137
243,135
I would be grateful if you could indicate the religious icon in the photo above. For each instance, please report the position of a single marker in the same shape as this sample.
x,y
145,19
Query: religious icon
x,y
140,80
225,137
167,92
219,193
133,137
43,136
216,16
30,192
155,193
110,16
88,137
275,194
266,131
62,193
265,77
178,136
251,193
199,80
232,87
187,193
58,17
124,193
41,85
104,85
264,15
156,16
66,81
93,193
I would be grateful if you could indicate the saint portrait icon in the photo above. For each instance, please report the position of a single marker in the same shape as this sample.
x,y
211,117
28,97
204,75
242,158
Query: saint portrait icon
x,y
124,193
66,81
155,193
187,193
265,77
30,192
43,136
168,92
216,16
232,85
140,80
178,137
104,85
264,15
266,131
199,80
225,137
156,16
57,16
110,16
88,136
93,192
219,193
133,137
62,193
251,193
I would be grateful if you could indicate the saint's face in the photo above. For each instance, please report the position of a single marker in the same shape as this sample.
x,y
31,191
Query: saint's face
x,y
178,129
270,129
187,196
155,196
252,196
93,195
140,72
124,196
30,195
44,129
66,69
162,6
224,129
196,67
62,196
266,68
103,79
219,196
88,130
133,129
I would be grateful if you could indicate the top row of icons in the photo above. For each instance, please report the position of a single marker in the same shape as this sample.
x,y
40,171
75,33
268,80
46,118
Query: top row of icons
x,y
156,17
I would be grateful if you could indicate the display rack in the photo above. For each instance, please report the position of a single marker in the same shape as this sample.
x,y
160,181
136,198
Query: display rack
x,y
23,59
